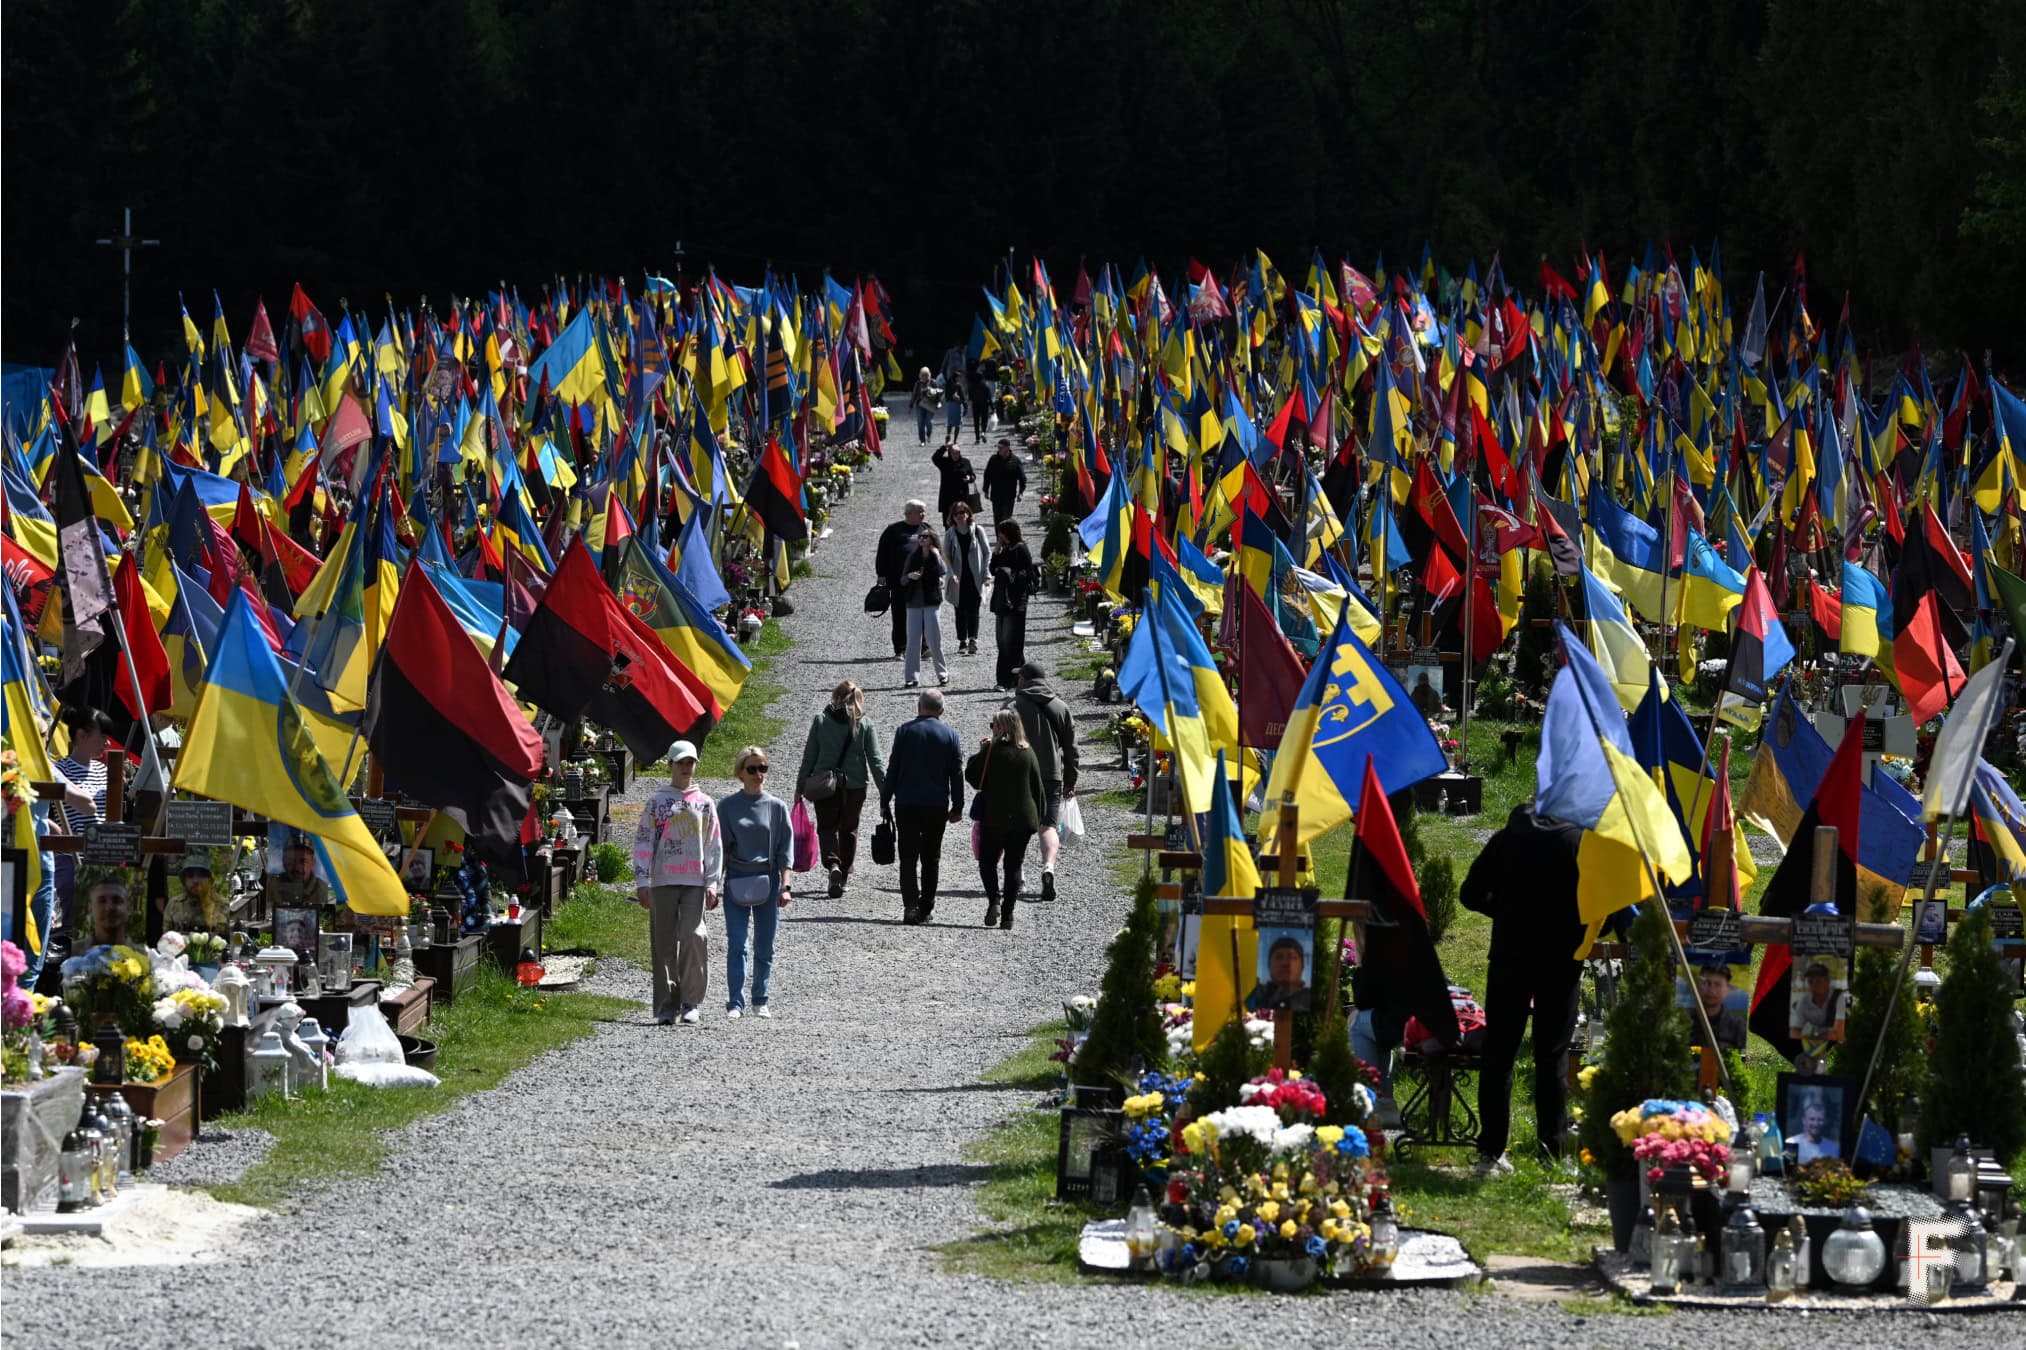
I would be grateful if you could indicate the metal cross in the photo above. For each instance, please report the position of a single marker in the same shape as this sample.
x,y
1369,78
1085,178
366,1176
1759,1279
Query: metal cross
x,y
126,241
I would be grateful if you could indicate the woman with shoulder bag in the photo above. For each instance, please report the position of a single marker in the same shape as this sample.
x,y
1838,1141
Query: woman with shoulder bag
x,y
921,590
1013,579
759,841
1008,808
840,757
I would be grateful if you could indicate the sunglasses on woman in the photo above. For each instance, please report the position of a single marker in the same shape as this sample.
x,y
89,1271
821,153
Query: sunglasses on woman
x,y
756,768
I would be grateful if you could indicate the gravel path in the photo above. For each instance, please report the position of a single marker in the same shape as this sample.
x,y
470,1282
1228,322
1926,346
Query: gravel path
x,y
774,1183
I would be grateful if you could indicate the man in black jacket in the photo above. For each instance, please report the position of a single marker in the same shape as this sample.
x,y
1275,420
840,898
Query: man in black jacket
x,y
923,792
1525,880
959,478
1051,734
894,542
1005,481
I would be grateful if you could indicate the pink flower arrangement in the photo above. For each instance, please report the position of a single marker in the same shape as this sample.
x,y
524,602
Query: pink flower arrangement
x,y
1660,1153
1293,1099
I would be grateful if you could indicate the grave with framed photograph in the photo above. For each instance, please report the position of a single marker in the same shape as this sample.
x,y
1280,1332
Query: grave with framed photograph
x,y
1815,1112
1285,918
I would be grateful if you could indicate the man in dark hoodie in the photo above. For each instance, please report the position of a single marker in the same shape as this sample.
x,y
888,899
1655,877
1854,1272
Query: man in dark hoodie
x,y
1005,481
1051,732
1525,880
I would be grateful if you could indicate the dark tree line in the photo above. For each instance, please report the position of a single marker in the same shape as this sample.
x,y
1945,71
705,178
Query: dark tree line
x,y
368,146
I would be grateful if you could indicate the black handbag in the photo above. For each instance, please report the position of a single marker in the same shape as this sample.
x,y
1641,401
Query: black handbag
x,y
878,600
884,844
827,783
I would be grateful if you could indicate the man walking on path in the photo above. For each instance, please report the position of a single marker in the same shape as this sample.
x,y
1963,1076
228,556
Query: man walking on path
x,y
894,543
924,791
1525,880
1051,732
1005,481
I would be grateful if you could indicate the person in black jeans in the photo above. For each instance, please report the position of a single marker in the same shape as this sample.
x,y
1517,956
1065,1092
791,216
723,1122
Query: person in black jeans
x,y
959,478
1013,578
1005,481
970,565
1525,880
894,542
979,392
924,792
1009,806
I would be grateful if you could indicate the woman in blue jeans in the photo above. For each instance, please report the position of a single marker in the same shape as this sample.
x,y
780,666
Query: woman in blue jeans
x,y
759,841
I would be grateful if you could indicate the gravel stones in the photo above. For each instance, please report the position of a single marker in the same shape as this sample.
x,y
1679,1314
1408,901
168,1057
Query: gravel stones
x,y
774,1183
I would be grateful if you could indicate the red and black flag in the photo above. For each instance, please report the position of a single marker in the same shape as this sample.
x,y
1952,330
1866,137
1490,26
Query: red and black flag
x,y
1562,526
775,494
1930,591
1836,801
445,730
1760,647
1270,675
565,653
1398,967
651,699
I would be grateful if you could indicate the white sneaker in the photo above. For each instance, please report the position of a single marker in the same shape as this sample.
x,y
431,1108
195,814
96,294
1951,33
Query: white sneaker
x,y
1501,1166
734,1014
690,1017
763,1011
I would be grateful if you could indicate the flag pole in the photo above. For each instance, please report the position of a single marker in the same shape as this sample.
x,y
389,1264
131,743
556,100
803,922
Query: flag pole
x,y
1906,955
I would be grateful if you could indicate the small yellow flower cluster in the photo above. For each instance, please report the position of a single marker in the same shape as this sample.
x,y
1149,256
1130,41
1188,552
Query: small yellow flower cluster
x,y
1145,1104
149,1061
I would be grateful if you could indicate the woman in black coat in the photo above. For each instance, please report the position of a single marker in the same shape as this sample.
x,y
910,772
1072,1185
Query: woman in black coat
x,y
960,478
1014,578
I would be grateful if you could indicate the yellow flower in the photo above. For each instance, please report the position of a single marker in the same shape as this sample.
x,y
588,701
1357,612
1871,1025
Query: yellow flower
x,y
1215,1237
1329,1135
1269,1211
1228,1194
1308,1183
1280,1190
1327,1230
1340,1209
1246,1234
1225,1214
1586,1076
1288,1230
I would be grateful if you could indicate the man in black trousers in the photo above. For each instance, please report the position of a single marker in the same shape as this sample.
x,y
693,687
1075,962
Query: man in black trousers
x,y
923,792
1525,880
894,542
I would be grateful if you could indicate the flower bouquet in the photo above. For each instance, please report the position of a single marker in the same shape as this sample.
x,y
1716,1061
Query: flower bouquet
x,y
192,1018
1150,1115
1256,1189
111,981
149,1061
1663,1134
22,1014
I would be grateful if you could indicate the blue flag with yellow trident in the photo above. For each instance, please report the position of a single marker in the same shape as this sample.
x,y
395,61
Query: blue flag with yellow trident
x,y
250,744
1348,708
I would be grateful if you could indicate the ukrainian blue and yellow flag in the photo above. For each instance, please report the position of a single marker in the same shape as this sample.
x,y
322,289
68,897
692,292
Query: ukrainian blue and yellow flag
x,y
1348,708
1615,642
1710,589
1171,676
25,731
1222,983
1632,558
571,365
1587,775
249,744
1867,614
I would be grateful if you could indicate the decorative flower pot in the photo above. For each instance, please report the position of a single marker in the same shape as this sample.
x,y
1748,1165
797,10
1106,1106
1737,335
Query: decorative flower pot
x,y
1622,1198
1285,1275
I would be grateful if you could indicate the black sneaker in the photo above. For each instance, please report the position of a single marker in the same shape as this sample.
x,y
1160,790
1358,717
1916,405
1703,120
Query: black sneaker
x,y
992,915
1048,886
836,882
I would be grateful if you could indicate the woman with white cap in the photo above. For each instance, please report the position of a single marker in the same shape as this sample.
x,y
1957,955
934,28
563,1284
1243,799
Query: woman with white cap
x,y
678,865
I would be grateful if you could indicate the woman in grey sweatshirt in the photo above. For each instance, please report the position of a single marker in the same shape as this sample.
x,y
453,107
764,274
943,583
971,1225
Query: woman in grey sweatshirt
x,y
758,842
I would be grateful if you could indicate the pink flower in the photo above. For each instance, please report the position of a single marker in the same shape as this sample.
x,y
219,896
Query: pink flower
x,y
13,964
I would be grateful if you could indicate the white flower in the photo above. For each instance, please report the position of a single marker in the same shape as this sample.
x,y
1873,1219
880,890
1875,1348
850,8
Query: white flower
x,y
168,1014
172,943
195,1042
1293,1138
1367,1102
1260,1123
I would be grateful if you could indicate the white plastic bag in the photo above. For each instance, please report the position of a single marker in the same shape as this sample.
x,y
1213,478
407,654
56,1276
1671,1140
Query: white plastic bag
x,y
369,1040
1072,821
388,1075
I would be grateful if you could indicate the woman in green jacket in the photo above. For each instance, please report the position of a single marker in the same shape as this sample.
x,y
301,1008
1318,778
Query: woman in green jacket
x,y
1008,809
843,741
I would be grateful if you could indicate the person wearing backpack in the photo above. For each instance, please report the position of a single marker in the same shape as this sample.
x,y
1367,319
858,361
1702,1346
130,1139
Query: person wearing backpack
x,y
1051,731
839,758
1007,808
758,843
1525,880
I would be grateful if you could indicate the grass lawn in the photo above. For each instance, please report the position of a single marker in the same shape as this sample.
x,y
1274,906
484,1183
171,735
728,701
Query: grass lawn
x,y
606,919
487,1034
